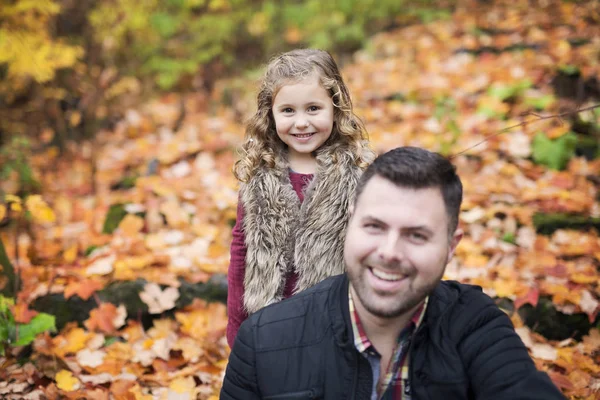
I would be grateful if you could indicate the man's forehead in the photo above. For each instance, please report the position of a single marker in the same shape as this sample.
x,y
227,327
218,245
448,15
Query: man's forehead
x,y
383,199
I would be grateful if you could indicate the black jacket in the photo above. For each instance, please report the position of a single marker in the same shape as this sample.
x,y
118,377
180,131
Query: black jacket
x,y
302,348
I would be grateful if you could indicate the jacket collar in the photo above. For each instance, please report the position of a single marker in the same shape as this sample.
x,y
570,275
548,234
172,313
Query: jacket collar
x,y
339,312
445,294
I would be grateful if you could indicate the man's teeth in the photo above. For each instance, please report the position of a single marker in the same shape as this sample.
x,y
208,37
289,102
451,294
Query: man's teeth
x,y
386,276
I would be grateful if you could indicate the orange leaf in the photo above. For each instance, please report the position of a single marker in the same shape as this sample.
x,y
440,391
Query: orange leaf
x,y
131,225
120,390
561,381
22,314
591,342
102,318
84,289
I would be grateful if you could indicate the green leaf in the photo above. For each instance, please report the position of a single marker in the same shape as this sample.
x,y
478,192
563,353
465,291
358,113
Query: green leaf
x,y
569,69
504,92
166,25
110,340
115,214
489,112
38,324
509,238
555,153
501,92
540,103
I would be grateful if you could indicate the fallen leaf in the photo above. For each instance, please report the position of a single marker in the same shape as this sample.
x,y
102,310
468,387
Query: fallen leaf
x,y
23,314
103,319
591,342
71,342
89,358
158,300
102,266
182,389
66,381
531,297
84,288
131,225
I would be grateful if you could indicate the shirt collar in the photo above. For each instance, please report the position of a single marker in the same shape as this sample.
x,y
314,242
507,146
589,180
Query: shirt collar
x,y
361,341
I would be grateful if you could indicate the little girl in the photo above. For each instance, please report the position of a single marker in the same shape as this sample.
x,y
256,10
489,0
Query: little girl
x,y
302,157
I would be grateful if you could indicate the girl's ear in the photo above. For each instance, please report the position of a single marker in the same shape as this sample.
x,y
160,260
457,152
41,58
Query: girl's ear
x,y
351,210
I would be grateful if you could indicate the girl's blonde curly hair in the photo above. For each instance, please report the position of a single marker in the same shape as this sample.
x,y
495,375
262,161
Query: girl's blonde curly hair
x,y
261,143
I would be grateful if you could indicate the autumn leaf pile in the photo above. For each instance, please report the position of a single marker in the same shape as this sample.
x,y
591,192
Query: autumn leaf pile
x,y
451,86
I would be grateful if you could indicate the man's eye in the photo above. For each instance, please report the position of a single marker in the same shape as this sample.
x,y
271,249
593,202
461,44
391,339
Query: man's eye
x,y
418,236
372,226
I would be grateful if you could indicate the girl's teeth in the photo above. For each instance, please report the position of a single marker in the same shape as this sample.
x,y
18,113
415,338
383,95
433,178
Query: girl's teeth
x,y
386,276
305,135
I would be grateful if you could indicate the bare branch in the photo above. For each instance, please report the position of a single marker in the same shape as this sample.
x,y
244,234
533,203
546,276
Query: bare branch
x,y
559,117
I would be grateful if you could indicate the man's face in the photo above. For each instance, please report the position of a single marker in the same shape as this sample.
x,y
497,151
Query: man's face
x,y
397,246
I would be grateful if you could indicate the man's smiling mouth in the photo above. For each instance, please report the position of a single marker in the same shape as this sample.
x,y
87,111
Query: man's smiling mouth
x,y
386,276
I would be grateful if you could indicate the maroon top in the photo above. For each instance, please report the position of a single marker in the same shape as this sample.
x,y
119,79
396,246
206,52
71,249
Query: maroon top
x,y
237,264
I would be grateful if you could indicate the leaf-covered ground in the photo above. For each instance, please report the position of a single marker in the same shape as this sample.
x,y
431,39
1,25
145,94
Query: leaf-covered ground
x,y
166,200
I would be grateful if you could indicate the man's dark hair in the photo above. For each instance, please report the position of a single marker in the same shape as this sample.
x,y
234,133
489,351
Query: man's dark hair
x,y
416,168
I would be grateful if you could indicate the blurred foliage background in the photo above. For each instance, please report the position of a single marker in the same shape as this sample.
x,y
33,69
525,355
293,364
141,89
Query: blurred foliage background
x,y
69,67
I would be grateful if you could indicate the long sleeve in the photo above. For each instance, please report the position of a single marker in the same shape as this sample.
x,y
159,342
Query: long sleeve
x,y
240,381
497,361
235,278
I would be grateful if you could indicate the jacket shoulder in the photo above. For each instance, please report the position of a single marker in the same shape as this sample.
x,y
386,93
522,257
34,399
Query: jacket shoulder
x,y
464,308
300,320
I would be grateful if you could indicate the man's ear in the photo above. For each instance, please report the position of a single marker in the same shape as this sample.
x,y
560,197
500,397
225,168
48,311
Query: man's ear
x,y
454,240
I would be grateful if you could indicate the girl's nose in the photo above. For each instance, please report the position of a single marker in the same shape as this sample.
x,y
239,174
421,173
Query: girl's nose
x,y
301,123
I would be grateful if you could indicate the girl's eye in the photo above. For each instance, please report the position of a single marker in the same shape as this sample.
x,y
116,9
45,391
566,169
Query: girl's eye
x,y
313,108
287,110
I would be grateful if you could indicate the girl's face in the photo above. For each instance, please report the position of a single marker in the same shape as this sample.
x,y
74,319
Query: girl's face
x,y
303,113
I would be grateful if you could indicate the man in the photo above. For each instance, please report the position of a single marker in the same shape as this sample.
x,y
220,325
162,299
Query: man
x,y
389,328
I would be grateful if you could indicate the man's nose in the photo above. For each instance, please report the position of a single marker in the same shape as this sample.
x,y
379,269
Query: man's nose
x,y
390,249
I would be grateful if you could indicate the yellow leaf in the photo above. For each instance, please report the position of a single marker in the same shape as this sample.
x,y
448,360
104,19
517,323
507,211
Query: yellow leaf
x,y
14,200
70,254
2,211
75,118
66,381
183,385
39,210
504,287
136,390
72,342
258,24
580,278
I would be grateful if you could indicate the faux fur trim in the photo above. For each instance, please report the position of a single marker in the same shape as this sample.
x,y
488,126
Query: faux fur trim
x,y
282,234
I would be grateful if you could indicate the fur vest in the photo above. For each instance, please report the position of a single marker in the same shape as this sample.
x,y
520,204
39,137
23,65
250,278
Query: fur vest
x,y
282,235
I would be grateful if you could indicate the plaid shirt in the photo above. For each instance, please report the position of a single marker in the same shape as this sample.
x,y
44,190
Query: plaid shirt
x,y
395,384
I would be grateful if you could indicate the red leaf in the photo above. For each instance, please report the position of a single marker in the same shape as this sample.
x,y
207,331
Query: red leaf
x,y
531,297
